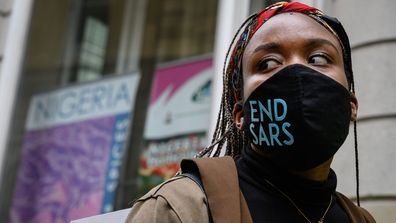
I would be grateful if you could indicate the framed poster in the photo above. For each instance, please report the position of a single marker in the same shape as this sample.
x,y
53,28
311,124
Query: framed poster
x,y
71,155
178,119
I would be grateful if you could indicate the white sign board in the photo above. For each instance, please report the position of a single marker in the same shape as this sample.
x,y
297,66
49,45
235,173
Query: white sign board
x,y
112,217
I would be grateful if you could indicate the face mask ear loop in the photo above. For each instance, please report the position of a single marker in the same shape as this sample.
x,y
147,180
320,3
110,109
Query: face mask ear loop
x,y
356,163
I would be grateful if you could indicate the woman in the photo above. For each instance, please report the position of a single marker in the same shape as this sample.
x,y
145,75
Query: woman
x,y
287,102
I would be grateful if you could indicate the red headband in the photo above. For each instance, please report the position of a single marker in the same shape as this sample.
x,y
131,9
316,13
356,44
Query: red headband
x,y
280,7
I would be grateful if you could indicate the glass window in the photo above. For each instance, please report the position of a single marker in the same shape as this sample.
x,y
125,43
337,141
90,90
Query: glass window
x,y
74,41
187,29
92,51
92,37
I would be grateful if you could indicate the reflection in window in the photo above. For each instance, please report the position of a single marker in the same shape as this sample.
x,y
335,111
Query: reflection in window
x,y
92,52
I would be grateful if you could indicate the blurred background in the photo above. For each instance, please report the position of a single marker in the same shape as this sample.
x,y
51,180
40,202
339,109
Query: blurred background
x,y
100,99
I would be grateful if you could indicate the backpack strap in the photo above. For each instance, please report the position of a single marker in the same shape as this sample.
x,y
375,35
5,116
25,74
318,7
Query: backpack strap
x,y
356,214
220,181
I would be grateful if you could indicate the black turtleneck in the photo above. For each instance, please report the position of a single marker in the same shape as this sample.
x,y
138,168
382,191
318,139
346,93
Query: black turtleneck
x,y
266,204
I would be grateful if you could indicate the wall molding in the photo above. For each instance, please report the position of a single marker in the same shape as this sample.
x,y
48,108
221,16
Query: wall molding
x,y
390,197
5,13
376,117
373,43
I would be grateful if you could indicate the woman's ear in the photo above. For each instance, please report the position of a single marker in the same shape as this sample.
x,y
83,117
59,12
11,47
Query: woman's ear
x,y
237,114
354,107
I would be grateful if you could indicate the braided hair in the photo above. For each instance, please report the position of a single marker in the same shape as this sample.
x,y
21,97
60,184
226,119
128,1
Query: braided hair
x,y
226,132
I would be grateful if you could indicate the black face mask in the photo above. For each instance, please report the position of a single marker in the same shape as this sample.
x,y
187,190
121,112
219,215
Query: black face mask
x,y
299,117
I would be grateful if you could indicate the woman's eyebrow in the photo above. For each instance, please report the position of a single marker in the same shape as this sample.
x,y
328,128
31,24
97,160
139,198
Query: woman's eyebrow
x,y
267,46
314,42
311,42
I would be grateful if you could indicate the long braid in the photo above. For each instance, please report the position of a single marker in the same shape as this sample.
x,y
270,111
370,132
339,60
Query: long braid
x,y
356,149
349,73
356,163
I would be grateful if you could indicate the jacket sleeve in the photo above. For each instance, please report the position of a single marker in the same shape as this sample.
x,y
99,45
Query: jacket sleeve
x,y
179,200
152,210
355,213
367,216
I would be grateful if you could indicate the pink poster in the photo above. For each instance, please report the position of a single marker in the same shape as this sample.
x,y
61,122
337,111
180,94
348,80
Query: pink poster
x,y
178,119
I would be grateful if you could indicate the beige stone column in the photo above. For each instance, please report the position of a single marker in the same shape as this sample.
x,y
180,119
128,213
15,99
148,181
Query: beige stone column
x,y
372,31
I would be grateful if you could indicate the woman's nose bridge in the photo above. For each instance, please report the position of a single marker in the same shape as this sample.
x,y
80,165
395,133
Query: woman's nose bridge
x,y
296,59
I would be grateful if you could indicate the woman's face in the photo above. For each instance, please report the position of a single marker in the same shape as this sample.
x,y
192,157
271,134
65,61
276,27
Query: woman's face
x,y
287,39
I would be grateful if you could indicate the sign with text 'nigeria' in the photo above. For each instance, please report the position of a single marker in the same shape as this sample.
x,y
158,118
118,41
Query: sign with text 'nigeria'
x,y
71,154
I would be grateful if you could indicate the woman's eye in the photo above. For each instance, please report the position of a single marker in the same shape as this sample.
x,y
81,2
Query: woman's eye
x,y
268,64
318,60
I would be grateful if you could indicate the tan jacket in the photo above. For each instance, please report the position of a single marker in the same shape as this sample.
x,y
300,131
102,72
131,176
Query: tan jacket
x,y
177,200
181,200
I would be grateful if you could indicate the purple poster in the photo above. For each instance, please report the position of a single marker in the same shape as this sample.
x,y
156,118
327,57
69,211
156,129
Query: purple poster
x,y
72,151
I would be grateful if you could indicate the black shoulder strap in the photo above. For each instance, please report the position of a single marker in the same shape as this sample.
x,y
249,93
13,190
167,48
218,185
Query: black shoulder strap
x,y
194,177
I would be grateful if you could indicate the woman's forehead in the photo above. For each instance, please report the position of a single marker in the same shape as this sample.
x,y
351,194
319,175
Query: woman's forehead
x,y
289,28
